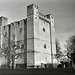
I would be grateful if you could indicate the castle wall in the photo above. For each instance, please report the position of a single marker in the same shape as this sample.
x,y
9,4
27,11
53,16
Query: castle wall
x,y
17,29
42,55
15,32
36,33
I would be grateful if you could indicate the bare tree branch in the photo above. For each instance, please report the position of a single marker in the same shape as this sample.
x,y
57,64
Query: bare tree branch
x,y
16,49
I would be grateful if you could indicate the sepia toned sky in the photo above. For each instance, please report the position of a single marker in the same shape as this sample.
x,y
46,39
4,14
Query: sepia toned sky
x,y
63,11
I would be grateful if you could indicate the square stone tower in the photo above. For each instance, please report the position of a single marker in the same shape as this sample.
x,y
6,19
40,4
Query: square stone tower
x,y
40,37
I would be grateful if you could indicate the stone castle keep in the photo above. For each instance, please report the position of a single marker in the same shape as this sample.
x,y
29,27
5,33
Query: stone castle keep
x,y
36,33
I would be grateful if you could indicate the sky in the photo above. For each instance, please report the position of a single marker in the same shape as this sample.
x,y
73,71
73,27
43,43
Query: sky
x,y
62,10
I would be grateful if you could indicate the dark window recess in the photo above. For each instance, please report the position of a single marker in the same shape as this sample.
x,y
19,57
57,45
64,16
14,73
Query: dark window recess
x,y
18,42
35,17
45,46
4,27
5,33
18,22
44,29
52,16
22,46
12,24
30,17
20,30
36,7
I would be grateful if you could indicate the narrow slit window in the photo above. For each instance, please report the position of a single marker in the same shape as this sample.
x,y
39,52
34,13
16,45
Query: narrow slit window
x,y
5,33
44,29
30,17
45,46
18,24
35,17
4,27
20,30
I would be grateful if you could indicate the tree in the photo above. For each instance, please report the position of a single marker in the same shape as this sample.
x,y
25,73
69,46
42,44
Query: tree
x,y
58,48
70,46
13,52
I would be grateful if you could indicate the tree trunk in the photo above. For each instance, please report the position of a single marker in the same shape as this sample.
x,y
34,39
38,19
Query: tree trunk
x,y
8,63
13,62
73,60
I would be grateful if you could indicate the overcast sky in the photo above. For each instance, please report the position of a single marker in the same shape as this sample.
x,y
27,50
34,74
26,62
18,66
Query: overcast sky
x,y
63,11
